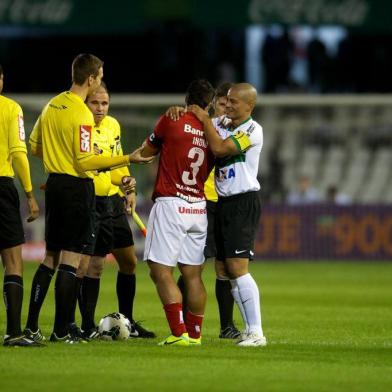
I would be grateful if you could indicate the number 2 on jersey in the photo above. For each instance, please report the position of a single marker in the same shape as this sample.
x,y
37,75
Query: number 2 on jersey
x,y
189,178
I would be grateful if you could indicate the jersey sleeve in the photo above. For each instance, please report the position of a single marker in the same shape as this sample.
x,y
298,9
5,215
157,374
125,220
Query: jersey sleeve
x,y
83,137
117,139
17,136
157,136
241,140
36,135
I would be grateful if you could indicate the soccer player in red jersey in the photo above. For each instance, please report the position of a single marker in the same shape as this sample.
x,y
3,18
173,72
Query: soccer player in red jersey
x,y
177,226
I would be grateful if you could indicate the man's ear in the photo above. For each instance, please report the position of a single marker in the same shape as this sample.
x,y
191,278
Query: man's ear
x,y
90,80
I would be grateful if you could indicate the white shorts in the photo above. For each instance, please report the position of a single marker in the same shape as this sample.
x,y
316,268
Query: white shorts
x,y
176,232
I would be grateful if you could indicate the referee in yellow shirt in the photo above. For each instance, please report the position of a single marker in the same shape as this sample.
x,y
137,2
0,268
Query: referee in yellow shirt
x,y
63,137
114,234
13,157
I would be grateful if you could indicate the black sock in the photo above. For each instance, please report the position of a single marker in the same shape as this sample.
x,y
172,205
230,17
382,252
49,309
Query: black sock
x,y
88,301
181,286
225,302
13,298
64,291
126,289
78,284
39,288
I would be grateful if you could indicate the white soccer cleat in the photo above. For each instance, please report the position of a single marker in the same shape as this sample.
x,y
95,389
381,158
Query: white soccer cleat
x,y
252,339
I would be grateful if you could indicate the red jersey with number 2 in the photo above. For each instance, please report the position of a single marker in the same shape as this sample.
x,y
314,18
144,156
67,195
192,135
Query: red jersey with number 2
x,y
185,160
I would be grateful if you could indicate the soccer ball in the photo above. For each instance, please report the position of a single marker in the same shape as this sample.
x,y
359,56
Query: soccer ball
x,y
114,326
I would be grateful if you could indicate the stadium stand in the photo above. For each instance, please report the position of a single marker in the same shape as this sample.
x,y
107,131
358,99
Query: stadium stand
x,y
343,141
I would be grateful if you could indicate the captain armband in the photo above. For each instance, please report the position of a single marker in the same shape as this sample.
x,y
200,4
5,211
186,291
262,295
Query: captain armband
x,y
241,140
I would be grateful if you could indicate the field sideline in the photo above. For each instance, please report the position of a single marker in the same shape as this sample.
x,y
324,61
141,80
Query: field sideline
x,y
329,328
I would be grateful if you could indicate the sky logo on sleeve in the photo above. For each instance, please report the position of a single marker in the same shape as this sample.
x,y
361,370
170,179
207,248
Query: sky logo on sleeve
x,y
85,138
22,134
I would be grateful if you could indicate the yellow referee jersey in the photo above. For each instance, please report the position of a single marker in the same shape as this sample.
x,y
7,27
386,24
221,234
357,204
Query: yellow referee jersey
x,y
209,187
117,150
12,134
104,138
65,131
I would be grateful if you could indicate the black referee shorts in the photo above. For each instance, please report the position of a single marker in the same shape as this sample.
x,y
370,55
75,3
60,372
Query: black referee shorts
x,y
70,214
122,234
210,248
11,228
236,222
104,226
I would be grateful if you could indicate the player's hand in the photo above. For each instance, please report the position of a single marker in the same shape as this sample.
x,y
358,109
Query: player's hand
x,y
128,184
201,114
33,207
175,112
136,156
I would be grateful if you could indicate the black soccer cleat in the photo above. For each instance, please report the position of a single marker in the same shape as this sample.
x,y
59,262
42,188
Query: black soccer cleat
x,y
230,332
77,334
68,339
137,331
21,341
36,336
91,333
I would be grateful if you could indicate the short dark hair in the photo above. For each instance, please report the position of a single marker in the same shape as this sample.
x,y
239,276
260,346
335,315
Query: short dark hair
x,y
223,89
83,66
200,92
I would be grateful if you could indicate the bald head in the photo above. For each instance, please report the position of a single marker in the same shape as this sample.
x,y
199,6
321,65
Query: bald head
x,y
246,92
241,100
98,102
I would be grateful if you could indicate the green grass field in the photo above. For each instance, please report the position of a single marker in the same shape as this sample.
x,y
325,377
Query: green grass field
x,y
329,328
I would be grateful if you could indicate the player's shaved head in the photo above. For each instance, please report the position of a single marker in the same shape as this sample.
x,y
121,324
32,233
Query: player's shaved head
x,y
246,92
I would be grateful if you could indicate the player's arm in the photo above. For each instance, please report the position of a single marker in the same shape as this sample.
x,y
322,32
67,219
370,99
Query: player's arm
x,y
35,139
98,162
233,145
22,169
149,150
117,175
152,145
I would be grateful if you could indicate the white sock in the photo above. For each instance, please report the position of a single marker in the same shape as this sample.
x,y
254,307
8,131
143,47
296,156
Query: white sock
x,y
236,295
250,300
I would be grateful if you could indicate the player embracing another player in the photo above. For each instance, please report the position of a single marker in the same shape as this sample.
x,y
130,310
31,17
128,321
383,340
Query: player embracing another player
x,y
236,140
177,225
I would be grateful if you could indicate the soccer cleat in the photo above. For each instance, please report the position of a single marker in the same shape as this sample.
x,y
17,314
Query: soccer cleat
x,y
36,336
68,339
195,341
252,339
137,331
172,340
76,333
92,333
20,341
230,332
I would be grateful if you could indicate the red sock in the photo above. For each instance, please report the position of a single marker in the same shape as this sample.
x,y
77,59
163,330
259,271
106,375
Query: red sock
x,y
175,318
193,324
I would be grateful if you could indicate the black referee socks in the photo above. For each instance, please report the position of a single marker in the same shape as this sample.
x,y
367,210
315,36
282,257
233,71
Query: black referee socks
x,y
13,297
